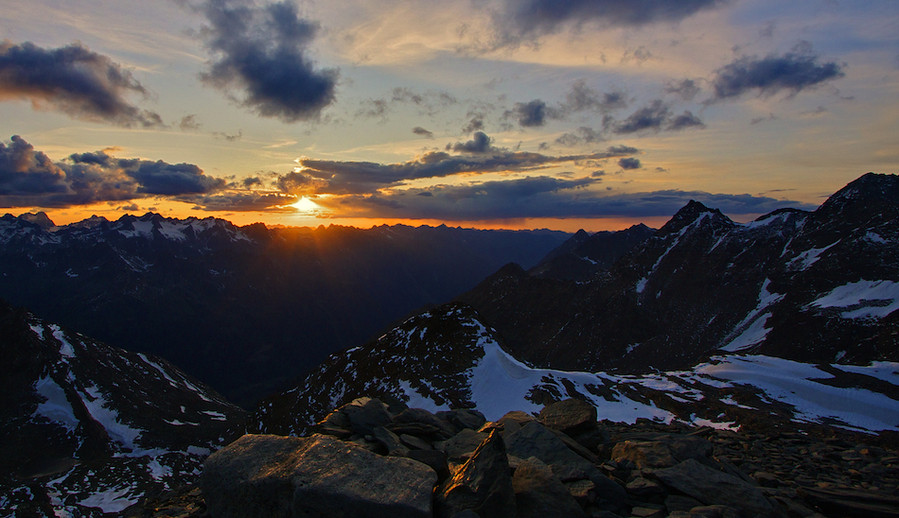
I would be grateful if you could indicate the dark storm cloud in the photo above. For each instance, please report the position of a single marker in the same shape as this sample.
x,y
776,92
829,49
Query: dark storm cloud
x,y
343,177
792,72
29,177
630,163
526,20
418,130
262,52
74,80
654,117
541,197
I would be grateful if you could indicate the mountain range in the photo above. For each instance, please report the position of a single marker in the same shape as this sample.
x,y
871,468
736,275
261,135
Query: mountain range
x,y
787,323
702,321
244,309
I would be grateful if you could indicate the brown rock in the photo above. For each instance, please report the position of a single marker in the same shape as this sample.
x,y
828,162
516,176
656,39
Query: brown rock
x,y
483,484
569,416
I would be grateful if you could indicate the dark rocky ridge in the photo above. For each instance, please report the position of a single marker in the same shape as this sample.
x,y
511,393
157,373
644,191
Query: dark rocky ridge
x,y
703,283
562,462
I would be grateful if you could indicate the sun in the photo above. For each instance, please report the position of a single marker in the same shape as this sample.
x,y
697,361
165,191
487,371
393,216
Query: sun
x,y
306,205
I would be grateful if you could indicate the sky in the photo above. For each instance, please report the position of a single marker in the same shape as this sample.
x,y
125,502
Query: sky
x,y
479,113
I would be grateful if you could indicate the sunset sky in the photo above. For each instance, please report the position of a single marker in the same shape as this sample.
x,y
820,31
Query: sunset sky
x,y
488,113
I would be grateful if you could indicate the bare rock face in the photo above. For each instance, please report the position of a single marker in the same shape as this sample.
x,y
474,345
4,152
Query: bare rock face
x,y
715,488
270,476
482,485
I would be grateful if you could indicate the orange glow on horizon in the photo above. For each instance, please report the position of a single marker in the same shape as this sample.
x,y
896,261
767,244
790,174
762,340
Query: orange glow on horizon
x,y
293,217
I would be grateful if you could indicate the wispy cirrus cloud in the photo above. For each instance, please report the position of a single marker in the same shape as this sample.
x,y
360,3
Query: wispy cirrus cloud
x,y
74,80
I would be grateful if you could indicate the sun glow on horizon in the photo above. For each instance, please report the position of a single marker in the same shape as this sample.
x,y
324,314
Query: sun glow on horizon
x,y
307,206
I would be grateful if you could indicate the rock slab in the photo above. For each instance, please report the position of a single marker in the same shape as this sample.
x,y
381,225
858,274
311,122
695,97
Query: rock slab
x,y
271,476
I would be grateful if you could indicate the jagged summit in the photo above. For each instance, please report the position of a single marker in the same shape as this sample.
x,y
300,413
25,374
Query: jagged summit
x,y
693,212
40,219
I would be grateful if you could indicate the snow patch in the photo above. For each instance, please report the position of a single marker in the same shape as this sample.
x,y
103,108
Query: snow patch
x,y
794,383
862,299
112,500
804,260
752,328
99,409
65,348
56,407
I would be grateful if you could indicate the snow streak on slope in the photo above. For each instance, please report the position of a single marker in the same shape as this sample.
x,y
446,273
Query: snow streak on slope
x,y
862,299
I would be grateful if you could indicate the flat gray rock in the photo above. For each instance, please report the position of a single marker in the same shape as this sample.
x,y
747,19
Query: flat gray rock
x,y
270,476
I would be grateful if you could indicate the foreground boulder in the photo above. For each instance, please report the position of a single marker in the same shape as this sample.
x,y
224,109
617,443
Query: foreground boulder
x,y
267,476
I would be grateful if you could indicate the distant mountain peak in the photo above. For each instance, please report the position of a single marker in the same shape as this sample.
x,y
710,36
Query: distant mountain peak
x,y
40,219
870,192
690,213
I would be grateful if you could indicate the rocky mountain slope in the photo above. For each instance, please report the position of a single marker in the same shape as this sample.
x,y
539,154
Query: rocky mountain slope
x,y
584,255
244,309
819,286
86,428
447,358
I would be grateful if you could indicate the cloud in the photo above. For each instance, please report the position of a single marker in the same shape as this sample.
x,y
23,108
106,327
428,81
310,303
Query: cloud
x,y
29,178
246,201
650,117
477,157
480,143
74,80
527,20
791,72
684,121
686,89
262,52
539,197
655,117
530,114
581,98
582,135
630,163
24,171
475,124
189,123
418,130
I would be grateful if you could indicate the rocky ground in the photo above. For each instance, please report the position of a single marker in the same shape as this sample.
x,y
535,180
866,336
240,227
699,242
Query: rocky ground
x,y
561,463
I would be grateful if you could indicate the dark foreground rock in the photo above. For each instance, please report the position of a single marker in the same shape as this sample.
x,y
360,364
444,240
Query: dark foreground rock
x,y
267,476
454,464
